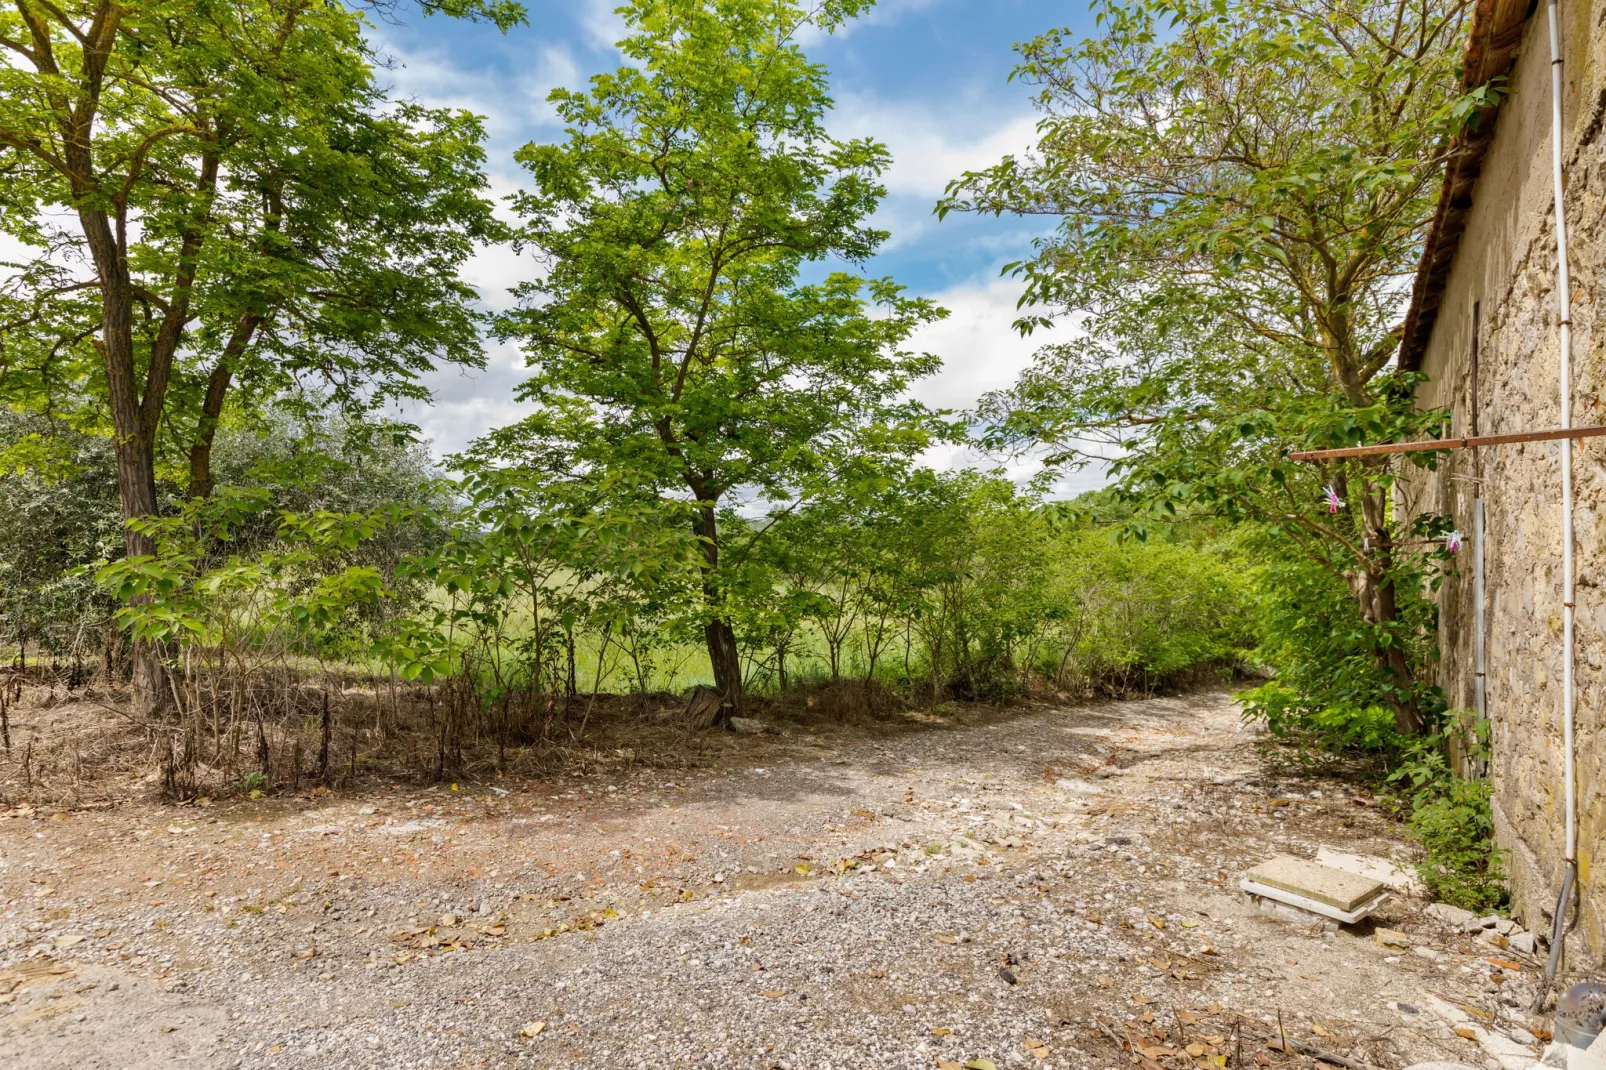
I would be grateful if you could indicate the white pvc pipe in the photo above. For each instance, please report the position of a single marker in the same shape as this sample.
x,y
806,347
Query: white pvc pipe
x,y
1477,609
1564,307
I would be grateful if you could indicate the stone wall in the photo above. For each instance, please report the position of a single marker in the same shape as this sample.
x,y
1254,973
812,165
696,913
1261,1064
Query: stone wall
x,y
1500,298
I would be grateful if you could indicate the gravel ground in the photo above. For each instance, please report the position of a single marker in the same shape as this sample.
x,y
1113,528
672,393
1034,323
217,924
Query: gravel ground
x,y
1055,887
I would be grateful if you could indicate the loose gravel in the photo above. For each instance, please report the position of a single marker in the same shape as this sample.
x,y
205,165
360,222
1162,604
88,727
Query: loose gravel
x,y
1056,887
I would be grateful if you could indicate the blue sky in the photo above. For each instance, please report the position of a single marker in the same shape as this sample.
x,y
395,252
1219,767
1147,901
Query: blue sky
x,y
927,77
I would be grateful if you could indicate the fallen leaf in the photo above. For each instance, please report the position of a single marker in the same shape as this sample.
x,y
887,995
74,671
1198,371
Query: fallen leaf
x,y
1158,923
532,1029
1261,1059
1160,964
1208,949
1140,998
1502,963
1463,1031
944,938
876,974
941,1031
68,940
1105,981
1195,1049
1319,1029
1189,1018
980,1063
1190,924
773,993
948,1064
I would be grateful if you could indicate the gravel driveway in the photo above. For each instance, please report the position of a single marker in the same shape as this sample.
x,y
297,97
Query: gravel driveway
x,y
1055,887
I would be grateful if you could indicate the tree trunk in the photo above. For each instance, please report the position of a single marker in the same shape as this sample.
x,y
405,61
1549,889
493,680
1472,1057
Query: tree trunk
x,y
134,445
1379,607
217,388
718,633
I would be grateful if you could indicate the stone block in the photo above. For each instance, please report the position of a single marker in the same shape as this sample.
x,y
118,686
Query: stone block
x,y
1397,878
1338,889
1454,917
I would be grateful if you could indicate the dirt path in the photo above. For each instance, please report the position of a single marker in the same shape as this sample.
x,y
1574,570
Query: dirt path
x,y
1054,888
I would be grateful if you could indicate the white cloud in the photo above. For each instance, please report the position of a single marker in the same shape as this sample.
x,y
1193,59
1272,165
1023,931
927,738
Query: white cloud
x,y
884,13
982,352
604,27
979,348
931,148
514,110
467,404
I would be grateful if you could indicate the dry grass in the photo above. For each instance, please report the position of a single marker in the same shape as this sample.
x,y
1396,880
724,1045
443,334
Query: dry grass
x,y
80,746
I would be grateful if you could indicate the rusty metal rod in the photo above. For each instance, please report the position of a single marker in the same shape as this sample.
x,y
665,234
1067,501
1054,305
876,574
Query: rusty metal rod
x,y
1465,442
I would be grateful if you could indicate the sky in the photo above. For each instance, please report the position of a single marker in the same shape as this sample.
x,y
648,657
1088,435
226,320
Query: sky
x,y
929,78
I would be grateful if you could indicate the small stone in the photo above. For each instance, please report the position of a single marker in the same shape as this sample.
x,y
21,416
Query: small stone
x,y
1524,942
1504,926
1426,952
1494,939
747,726
1489,922
1390,938
1454,917
1007,976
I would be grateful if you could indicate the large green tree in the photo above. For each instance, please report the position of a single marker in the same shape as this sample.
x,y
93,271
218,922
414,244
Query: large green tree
x,y
1240,189
216,198
674,341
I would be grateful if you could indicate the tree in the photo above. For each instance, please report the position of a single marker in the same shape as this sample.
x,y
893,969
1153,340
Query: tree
x,y
672,341
217,197
1242,191
58,513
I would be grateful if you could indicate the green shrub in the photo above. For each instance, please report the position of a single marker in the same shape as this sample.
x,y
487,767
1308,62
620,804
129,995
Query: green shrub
x,y
1462,866
1343,726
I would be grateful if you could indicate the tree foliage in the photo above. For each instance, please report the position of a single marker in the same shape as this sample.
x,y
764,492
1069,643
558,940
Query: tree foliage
x,y
673,341
1242,190
218,198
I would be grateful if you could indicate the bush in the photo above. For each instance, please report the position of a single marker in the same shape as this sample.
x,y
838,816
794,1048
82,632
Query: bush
x,y
1462,866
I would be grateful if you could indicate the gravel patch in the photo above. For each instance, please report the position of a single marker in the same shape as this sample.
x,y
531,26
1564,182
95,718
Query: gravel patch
x,y
1056,888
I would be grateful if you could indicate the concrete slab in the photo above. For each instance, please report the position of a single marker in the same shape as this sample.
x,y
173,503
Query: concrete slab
x,y
1397,877
1338,889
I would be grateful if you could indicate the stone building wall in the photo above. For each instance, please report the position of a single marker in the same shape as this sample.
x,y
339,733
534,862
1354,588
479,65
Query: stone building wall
x,y
1500,298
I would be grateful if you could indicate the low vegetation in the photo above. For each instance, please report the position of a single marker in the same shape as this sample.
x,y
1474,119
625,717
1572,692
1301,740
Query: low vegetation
x,y
717,513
